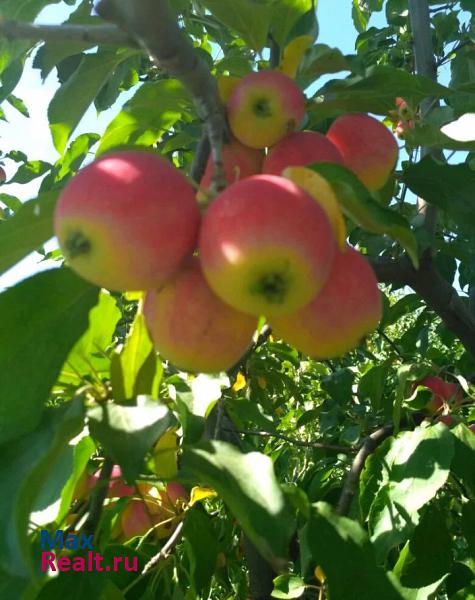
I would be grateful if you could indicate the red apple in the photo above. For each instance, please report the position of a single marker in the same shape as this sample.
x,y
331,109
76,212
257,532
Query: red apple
x,y
3,175
127,221
368,147
264,107
266,246
192,327
443,393
239,162
300,149
346,309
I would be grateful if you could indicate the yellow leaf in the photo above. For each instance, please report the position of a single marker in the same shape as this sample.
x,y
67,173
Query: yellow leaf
x,y
226,85
319,188
240,382
200,493
131,296
319,574
165,455
293,53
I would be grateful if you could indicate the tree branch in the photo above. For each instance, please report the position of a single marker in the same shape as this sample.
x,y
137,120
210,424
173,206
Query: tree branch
x,y
153,24
425,65
352,479
98,495
92,35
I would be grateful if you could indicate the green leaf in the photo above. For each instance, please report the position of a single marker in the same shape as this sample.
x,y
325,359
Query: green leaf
x,y
375,92
247,483
46,315
321,59
340,546
285,15
89,357
359,205
76,586
249,18
416,466
30,170
154,109
127,433
463,465
30,227
83,451
132,358
372,383
74,97
288,587
467,593
449,187
468,525
201,546
24,466
428,555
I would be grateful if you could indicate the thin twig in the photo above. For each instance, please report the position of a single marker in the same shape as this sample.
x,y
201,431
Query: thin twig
x,y
171,543
352,479
293,441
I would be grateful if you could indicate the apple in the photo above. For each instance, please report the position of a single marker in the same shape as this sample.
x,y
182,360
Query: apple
x,y
266,246
193,328
127,221
117,487
158,509
472,427
239,162
3,175
346,309
264,107
368,148
443,393
299,149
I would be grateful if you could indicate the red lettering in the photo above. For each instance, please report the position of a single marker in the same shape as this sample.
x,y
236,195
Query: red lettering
x,y
117,560
47,559
64,563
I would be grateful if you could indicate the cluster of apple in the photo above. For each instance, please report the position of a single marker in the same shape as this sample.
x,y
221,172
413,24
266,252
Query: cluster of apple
x,y
147,506
272,244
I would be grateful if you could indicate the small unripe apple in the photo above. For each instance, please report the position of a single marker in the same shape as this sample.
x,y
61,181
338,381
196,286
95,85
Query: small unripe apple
x,y
127,221
266,246
193,328
346,309
239,162
264,107
368,147
299,149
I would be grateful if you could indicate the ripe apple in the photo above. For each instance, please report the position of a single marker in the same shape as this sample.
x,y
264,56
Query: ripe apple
x,y
266,246
299,149
192,327
264,107
3,175
472,427
322,192
346,309
368,148
157,508
443,393
127,221
117,486
239,162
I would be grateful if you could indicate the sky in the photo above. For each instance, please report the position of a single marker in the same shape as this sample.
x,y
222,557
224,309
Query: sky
x,y
32,136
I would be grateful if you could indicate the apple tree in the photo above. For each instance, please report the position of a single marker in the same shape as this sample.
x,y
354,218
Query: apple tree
x,y
251,373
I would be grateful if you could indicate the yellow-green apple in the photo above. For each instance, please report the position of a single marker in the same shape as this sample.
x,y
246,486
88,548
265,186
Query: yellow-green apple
x,y
299,149
368,148
239,162
346,309
161,510
266,246
193,328
443,393
264,107
127,221
322,192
